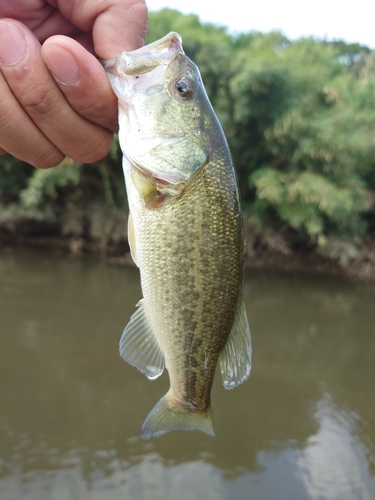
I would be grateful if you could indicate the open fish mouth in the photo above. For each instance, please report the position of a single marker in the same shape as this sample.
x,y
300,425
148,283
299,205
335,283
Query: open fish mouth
x,y
146,58
145,82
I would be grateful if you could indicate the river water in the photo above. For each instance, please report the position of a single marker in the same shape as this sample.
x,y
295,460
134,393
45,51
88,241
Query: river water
x,y
302,427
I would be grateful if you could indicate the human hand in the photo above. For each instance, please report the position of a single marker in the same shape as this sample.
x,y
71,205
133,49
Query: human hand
x,y
55,99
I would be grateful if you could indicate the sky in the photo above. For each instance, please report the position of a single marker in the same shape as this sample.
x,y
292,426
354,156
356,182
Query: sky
x,y
328,19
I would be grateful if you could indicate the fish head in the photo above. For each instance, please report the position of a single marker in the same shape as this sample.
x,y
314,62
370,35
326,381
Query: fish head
x,y
165,116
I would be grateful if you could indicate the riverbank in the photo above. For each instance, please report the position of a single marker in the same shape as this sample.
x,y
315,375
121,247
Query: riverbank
x,y
263,251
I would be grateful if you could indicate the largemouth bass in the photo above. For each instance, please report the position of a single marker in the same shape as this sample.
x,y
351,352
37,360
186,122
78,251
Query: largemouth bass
x,y
185,233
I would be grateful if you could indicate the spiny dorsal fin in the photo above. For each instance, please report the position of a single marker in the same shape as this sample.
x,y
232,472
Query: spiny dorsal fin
x,y
138,345
235,358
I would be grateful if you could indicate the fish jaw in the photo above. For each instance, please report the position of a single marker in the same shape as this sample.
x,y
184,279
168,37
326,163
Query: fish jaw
x,y
154,144
146,58
125,69
137,73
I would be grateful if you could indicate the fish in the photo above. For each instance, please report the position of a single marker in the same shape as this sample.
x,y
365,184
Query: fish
x,y
185,233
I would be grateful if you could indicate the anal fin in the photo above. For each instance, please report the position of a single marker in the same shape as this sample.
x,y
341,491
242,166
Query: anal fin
x,y
235,358
139,347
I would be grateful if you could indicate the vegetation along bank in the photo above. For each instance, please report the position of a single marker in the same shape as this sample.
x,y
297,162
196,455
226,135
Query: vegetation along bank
x,y
300,121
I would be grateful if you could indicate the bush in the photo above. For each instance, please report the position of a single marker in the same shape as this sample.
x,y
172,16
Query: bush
x,y
299,118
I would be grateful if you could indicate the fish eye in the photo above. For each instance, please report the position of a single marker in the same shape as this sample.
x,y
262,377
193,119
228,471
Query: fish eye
x,y
185,87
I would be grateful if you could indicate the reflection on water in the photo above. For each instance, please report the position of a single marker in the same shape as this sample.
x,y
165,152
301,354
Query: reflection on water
x,y
302,427
333,465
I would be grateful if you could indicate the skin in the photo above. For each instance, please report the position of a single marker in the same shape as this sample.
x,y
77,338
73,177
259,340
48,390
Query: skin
x,y
55,98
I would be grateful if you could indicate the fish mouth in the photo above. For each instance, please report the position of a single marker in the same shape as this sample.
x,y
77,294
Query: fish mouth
x,y
146,58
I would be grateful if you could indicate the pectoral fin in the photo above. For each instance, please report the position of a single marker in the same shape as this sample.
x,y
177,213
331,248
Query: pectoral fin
x,y
145,185
175,160
170,159
139,347
235,358
131,239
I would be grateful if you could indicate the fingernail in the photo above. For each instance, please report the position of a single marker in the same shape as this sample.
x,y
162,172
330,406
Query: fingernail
x,y
62,64
12,44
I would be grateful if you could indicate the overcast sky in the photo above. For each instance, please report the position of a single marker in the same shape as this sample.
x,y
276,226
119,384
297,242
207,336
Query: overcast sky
x,y
330,19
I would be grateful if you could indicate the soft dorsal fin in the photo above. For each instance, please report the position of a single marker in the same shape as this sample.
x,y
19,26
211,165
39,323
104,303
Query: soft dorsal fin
x,y
235,358
138,345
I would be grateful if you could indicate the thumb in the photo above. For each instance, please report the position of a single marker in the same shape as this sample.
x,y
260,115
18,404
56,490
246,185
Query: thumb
x,y
116,30
116,25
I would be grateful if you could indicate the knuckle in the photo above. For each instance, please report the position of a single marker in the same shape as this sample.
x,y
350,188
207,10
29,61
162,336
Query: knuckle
x,y
39,102
36,94
21,138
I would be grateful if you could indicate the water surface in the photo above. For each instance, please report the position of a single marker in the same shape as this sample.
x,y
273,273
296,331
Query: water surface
x,y
302,427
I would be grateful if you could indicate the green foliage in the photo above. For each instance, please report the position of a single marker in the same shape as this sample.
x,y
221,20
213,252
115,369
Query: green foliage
x,y
299,117
13,177
44,184
310,203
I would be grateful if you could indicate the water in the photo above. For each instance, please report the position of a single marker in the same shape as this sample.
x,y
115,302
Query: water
x,y
302,427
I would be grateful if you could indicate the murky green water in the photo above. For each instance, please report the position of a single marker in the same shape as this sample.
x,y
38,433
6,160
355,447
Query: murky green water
x,y
302,427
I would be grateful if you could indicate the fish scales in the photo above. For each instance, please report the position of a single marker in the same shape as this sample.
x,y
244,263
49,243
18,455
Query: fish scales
x,y
185,232
185,277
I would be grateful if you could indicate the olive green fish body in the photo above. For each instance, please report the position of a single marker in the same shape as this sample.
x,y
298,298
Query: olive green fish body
x,y
191,277
186,235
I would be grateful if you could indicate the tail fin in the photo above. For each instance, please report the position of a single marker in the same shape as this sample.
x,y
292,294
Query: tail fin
x,y
168,416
